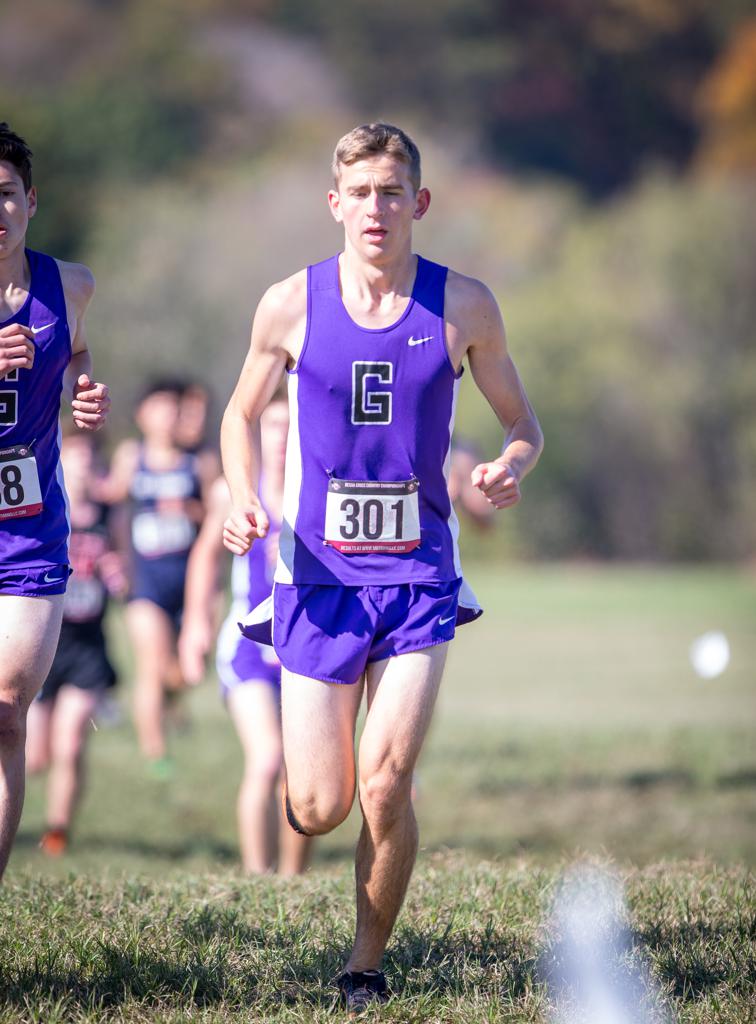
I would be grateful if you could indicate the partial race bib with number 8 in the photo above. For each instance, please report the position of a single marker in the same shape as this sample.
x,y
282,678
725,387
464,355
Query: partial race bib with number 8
x,y
372,516
20,493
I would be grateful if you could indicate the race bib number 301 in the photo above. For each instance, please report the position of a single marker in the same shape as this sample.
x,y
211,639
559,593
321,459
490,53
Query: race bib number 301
x,y
372,516
20,494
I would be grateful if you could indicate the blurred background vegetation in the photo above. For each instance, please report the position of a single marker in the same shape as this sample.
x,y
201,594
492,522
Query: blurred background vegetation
x,y
592,161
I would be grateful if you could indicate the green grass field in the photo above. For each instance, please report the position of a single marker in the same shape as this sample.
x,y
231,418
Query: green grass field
x,y
570,725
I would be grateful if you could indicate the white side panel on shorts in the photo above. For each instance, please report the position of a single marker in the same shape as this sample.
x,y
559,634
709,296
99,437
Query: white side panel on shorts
x,y
239,579
62,483
229,639
293,484
453,522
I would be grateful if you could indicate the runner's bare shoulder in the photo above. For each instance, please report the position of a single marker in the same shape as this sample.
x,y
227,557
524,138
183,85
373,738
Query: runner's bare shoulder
x,y
472,315
468,297
282,312
78,283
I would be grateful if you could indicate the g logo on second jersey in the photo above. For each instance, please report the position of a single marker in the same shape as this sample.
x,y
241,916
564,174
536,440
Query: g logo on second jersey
x,y
370,405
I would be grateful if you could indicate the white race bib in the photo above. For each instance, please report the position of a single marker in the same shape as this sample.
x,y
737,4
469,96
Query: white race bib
x,y
154,534
20,493
84,600
372,516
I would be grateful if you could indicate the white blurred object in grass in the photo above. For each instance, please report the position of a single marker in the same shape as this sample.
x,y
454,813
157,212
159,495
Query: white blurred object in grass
x,y
593,972
710,654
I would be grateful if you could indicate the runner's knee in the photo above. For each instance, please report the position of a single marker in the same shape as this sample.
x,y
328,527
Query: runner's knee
x,y
384,793
264,767
68,750
36,762
12,722
314,813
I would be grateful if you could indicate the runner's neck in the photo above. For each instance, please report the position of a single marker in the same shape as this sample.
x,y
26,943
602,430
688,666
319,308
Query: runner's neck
x,y
15,282
375,296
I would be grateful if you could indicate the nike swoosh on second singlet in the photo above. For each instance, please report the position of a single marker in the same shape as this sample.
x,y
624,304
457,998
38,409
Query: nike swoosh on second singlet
x,y
418,341
38,330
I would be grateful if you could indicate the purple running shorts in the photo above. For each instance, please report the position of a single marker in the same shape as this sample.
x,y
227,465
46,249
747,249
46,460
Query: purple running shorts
x,y
332,633
34,580
240,662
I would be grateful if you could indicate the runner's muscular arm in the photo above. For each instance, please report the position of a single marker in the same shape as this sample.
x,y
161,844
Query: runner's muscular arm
x,y
277,337
116,485
90,402
475,329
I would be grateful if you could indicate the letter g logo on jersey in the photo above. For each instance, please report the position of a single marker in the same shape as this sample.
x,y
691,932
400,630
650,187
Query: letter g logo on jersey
x,y
369,405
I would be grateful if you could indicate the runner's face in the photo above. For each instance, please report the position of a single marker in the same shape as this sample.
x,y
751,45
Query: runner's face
x,y
377,203
192,417
16,207
77,460
157,417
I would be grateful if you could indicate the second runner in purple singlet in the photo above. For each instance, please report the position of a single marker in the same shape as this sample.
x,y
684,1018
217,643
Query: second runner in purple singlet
x,y
43,356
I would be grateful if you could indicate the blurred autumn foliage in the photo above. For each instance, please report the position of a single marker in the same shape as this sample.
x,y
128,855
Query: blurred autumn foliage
x,y
592,160
727,105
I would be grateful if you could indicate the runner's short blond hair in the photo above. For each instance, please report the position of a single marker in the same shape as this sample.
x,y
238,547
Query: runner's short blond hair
x,y
373,139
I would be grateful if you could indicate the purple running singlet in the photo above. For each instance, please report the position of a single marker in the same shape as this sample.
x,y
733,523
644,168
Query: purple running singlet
x,y
372,411
33,509
368,565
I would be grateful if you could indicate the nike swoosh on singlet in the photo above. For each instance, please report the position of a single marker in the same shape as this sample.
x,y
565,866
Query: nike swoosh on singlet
x,y
37,330
418,341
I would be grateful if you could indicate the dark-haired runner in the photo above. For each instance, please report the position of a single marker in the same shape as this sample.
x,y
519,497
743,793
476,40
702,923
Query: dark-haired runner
x,y
165,487
43,354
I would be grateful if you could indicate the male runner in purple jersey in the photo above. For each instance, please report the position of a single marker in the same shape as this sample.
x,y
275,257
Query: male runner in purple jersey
x,y
249,673
368,587
43,352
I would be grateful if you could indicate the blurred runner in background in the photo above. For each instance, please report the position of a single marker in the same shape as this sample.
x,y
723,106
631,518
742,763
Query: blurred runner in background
x,y
466,498
249,673
191,430
165,487
65,708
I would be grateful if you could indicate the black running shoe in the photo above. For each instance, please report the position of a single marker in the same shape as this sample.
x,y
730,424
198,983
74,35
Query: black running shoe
x,y
359,989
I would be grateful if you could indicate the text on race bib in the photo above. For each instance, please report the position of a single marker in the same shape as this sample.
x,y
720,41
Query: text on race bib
x,y
84,600
372,516
20,493
154,534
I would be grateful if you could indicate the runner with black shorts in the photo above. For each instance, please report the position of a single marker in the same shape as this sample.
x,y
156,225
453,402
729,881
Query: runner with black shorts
x,y
62,714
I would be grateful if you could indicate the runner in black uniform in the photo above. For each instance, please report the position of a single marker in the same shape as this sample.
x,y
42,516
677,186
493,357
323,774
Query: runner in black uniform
x,y
81,672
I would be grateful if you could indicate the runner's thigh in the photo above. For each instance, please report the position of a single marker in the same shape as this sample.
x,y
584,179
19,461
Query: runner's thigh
x,y
152,635
254,709
318,721
29,631
72,719
402,694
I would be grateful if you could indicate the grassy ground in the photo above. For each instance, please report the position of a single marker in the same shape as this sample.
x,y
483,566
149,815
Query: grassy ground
x,y
470,946
570,723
